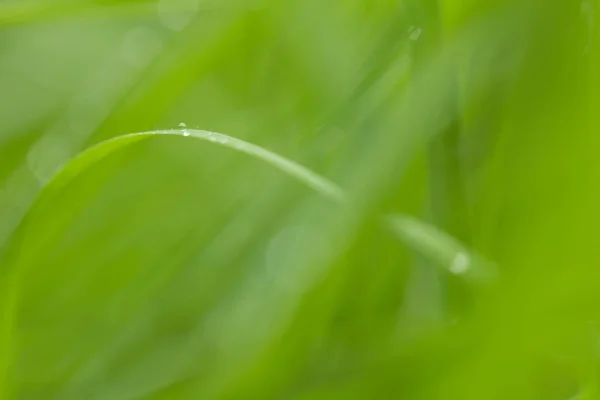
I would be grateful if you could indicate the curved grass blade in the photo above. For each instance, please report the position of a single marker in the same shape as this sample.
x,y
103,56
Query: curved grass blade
x,y
433,243
96,153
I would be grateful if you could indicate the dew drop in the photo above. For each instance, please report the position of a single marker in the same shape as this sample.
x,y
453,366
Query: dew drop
x,y
182,125
460,264
186,133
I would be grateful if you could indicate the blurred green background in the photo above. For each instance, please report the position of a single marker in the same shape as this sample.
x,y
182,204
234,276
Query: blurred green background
x,y
444,246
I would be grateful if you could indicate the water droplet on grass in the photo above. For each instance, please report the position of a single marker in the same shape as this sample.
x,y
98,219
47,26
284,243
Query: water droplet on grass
x,y
182,125
460,264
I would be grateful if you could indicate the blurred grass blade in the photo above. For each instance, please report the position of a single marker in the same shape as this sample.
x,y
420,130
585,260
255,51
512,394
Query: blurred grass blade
x,y
25,12
22,12
8,297
447,252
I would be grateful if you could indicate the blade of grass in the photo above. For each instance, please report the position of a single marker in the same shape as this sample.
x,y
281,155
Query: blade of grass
x,y
441,248
96,153
25,12
8,298
430,241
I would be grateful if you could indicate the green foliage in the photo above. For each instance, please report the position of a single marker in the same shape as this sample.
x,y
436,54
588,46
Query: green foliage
x,y
401,201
